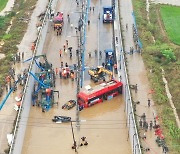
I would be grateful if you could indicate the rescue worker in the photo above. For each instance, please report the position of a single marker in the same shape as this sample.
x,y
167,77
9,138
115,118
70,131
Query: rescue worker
x,y
140,123
136,88
72,76
71,26
61,64
95,52
70,54
154,122
22,55
89,54
33,47
77,52
77,3
56,71
93,8
103,64
86,143
14,60
149,102
74,145
150,125
115,68
64,47
83,141
52,14
70,49
100,54
57,32
146,126
83,138
144,136
76,29
75,67
8,79
59,29
68,17
143,117
126,26
60,52
60,73
54,27
67,43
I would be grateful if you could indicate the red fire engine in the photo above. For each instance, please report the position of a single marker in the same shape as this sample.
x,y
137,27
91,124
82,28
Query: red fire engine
x,y
104,91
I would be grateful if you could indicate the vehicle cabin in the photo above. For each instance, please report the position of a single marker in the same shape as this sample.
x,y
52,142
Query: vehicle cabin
x,y
110,57
107,14
104,91
58,20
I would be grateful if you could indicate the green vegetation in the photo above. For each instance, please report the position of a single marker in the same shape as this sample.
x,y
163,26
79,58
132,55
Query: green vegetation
x,y
171,18
169,55
3,4
16,33
161,54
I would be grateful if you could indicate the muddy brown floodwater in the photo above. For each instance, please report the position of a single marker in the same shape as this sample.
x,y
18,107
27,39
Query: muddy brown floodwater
x,y
103,124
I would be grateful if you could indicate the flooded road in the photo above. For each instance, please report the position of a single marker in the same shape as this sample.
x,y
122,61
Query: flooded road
x,y
103,124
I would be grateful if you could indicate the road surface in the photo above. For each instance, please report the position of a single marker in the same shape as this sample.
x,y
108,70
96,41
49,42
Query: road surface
x,y
105,126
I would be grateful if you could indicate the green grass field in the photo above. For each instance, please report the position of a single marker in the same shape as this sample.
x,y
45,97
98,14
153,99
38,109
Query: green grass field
x,y
171,18
3,4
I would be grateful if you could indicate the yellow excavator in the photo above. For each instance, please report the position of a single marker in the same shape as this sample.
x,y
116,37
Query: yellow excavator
x,y
99,73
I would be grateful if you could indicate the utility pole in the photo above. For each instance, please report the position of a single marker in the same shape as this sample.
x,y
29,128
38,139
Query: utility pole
x,y
80,58
74,145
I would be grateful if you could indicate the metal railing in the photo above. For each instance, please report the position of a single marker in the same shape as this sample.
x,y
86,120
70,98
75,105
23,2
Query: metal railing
x,y
23,112
122,74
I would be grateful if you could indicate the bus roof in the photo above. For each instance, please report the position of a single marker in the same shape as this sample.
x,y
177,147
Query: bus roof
x,y
96,90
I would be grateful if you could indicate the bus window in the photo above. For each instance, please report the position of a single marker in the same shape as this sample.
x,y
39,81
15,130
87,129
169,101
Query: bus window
x,y
94,100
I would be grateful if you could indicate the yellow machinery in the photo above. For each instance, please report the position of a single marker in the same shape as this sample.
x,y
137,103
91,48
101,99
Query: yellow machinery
x,y
99,73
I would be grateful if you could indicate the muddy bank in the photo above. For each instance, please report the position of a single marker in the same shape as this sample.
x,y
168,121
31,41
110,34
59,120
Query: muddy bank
x,y
171,2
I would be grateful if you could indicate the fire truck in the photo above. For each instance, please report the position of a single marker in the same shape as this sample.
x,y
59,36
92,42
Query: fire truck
x,y
104,91
58,21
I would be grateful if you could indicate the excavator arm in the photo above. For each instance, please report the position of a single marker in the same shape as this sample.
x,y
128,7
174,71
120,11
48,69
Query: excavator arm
x,y
106,71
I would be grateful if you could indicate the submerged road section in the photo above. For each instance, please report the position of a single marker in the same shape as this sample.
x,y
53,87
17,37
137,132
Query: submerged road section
x,y
104,124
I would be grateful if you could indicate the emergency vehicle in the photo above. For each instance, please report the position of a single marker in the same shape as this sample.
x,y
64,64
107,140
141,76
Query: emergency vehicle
x,y
104,91
58,21
108,15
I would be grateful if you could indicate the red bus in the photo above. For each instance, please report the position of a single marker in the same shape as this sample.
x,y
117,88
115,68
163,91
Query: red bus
x,y
98,93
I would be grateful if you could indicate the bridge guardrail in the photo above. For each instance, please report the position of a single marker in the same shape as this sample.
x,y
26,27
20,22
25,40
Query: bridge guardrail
x,y
122,74
23,112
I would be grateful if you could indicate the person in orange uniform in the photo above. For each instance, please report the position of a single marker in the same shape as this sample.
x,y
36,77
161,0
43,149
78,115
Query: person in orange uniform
x,y
56,71
33,47
60,53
